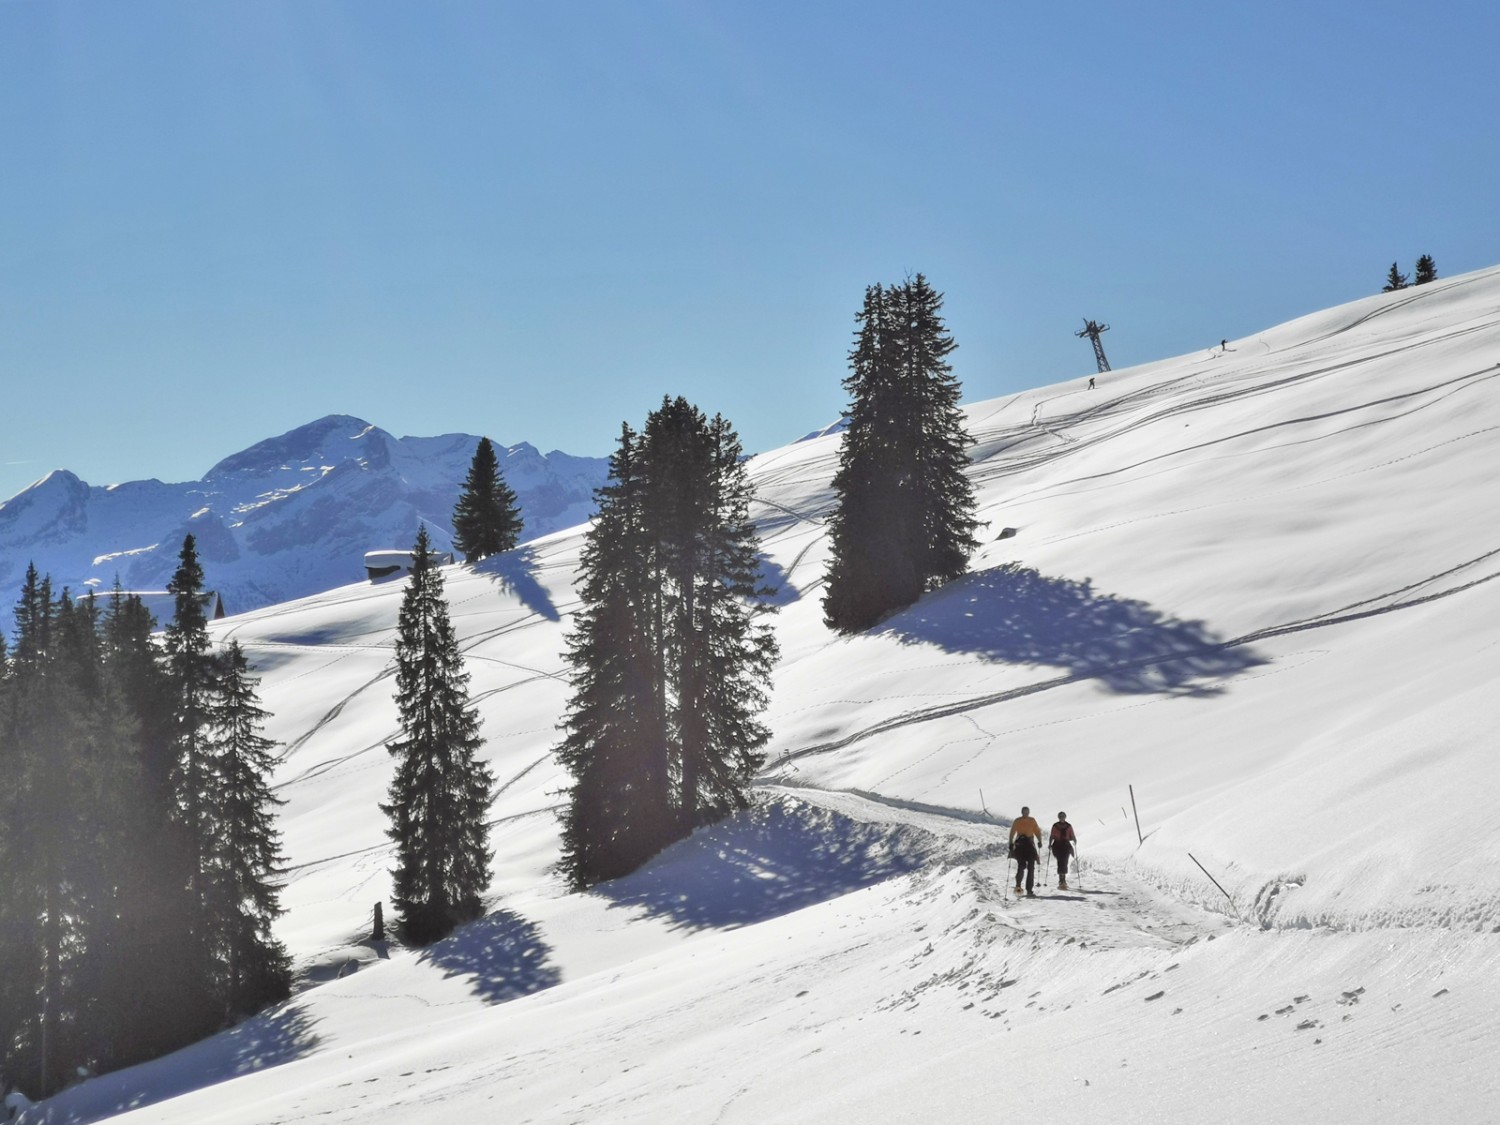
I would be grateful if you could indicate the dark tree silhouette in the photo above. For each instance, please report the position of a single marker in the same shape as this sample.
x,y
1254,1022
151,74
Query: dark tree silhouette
x,y
439,798
904,522
669,663
487,518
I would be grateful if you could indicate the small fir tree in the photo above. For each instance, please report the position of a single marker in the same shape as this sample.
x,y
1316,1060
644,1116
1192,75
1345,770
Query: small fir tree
x,y
1426,270
439,797
1394,280
487,518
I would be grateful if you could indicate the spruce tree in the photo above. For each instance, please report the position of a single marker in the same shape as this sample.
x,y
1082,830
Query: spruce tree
x,y
1426,270
487,518
726,651
669,664
904,521
62,851
46,723
943,493
254,969
31,909
619,810
1394,280
102,738
192,675
439,797
156,915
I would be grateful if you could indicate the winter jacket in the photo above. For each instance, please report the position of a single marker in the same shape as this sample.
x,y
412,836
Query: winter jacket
x,y
1026,826
1062,837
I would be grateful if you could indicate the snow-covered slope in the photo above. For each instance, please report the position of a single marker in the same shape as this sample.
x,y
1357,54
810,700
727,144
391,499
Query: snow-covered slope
x,y
289,516
1252,588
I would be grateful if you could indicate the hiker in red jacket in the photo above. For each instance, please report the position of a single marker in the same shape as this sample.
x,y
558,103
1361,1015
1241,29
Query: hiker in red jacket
x,y
1062,848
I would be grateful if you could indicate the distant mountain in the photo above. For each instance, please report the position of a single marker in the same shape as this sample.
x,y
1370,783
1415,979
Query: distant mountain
x,y
289,516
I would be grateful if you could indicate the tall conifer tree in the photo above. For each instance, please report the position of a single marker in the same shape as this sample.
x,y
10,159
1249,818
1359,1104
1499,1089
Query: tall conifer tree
x,y
619,809
192,675
156,915
669,664
1426,270
905,516
1394,280
487,517
254,969
439,797
32,829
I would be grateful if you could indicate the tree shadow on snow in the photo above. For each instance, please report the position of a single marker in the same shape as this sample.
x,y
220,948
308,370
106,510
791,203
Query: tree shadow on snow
x,y
515,572
502,953
260,1042
775,578
1017,615
762,863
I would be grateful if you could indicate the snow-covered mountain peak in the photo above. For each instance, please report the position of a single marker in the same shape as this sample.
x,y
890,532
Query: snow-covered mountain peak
x,y
315,447
286,517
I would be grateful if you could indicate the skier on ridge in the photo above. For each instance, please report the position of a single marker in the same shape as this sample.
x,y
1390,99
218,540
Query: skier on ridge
x,y
1025,844
1062,841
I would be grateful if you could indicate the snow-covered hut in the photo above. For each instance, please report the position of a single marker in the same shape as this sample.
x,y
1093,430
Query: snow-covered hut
x,y
383,564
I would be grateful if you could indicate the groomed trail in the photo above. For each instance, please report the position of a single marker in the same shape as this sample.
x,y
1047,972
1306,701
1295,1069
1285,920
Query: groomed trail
x,y
1105,907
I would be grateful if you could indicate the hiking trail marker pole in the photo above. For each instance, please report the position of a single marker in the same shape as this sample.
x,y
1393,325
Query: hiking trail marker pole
x,y
1009,857
1139,839
1216,883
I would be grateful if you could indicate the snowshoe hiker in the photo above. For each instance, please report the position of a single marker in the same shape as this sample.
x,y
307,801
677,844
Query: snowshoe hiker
x,y
1061,843
1025,842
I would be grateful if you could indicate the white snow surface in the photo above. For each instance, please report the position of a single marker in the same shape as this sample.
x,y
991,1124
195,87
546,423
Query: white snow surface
x,y
1255,587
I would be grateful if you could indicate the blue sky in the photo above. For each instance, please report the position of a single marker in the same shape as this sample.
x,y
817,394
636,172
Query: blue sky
x,y
220,221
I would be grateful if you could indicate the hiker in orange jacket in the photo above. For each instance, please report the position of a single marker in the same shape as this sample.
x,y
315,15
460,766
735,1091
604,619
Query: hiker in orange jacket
x,y
1027,849
1062,841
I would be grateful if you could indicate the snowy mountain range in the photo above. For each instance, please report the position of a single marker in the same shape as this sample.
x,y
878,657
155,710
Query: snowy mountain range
x,y
290,516
1235,612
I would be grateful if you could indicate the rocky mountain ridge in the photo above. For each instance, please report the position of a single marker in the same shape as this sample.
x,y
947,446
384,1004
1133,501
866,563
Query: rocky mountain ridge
x,y
286,517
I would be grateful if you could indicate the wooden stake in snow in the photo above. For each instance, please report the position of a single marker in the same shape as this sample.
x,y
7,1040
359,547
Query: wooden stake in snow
x,y
1215,882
